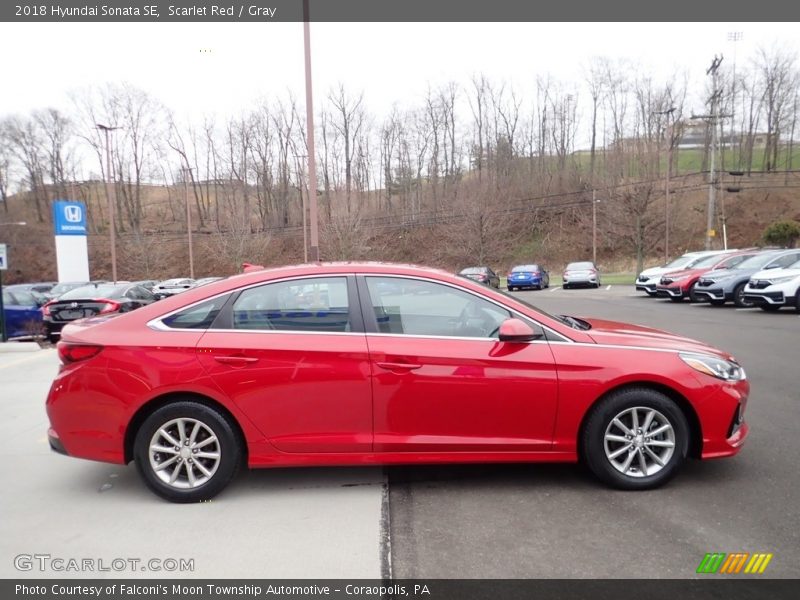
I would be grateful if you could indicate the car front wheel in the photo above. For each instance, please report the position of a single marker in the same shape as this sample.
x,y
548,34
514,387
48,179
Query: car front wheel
x,y
738,297
187,452
635,439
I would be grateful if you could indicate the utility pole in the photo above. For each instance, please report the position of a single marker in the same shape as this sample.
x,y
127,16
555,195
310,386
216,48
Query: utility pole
x,y
312,161
713,119
109,194
670,124
734,36
187,173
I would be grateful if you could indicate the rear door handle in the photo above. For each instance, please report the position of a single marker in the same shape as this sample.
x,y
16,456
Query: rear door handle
x,y
398,367
236,361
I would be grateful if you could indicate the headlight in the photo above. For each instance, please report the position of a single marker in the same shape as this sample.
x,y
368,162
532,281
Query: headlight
x,y
782,279
716,367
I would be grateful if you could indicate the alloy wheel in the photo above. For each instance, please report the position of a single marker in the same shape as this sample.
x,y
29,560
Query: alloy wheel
x,y
184,453
639,441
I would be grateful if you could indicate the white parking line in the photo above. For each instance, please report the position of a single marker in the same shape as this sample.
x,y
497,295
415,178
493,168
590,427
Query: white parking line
x,y
558,287
608,287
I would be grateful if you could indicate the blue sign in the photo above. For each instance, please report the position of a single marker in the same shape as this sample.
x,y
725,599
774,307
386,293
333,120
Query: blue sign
x,y
69,217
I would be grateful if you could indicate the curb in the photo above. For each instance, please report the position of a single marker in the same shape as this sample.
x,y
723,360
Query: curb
x,y
17,347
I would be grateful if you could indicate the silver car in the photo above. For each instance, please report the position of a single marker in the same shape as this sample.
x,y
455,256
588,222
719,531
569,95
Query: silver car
x,y
583,273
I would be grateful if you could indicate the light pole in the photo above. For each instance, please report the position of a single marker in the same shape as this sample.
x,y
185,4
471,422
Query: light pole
x,y
312,163
187,173
3,332
670,124
109,188
594,226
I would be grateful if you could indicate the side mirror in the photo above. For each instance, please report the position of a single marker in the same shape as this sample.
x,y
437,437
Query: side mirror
x,y
516,330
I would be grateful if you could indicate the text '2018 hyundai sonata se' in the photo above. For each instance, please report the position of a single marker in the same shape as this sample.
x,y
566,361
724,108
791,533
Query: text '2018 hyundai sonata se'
x,y
358,364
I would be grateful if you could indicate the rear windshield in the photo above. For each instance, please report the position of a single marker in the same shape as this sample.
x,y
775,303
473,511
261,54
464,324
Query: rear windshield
x,y
473,271
65,287
580,265
92,291
525,268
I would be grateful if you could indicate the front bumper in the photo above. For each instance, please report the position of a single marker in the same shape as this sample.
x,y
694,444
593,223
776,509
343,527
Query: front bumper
x,y
722,418
646,285
712,293
759,297
669,292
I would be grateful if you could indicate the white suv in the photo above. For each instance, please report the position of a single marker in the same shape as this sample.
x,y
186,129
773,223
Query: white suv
x,y
772,288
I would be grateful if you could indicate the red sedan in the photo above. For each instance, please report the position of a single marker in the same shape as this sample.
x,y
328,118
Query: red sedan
x,y
348,364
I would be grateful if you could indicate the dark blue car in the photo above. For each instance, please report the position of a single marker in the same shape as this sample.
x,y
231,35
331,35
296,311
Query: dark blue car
x,y
22,315
528,276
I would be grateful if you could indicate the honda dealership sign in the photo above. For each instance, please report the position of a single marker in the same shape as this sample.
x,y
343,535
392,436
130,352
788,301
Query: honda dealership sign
x,y
72,255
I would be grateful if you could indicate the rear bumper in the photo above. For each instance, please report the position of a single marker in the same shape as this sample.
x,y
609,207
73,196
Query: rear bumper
x,y
525,282
55,442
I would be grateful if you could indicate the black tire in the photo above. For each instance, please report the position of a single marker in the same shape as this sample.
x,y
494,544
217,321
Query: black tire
x,y
511,288
717,302
769,307
592,441
565,286
797,301
693,295
738,297
229,446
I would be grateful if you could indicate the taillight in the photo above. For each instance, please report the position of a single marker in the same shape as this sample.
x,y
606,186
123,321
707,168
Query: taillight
x,y
536,273
109,306
72,353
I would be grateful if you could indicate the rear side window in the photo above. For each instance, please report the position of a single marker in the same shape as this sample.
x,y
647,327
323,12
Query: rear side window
x,y
317,304
199,316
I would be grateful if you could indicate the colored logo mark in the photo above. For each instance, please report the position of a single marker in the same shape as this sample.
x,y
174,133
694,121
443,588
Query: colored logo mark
x,y
735,562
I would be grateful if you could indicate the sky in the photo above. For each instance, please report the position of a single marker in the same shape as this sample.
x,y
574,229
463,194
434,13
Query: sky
x,y
392,63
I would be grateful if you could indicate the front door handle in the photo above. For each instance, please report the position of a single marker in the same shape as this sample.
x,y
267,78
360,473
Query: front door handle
x,y
236,361
398,367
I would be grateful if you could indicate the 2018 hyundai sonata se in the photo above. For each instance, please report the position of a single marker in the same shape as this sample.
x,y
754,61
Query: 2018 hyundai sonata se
x,y
341,364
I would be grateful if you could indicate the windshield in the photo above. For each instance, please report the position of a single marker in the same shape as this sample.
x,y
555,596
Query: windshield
x,y
566,320
65,287
473,271
708,261
680,262
525,268
756,262
92,291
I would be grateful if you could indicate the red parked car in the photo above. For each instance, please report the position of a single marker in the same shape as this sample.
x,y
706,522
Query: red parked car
x,y
678,285
348,364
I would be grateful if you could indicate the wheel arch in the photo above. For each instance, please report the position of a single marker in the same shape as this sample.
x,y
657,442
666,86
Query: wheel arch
x,y
154,404
695,430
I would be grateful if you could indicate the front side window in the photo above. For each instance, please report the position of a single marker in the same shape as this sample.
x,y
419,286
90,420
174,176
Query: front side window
x,y
414,307
314,304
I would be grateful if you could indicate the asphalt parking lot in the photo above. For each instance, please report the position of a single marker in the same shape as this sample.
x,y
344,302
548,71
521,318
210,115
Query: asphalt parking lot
x,y
535,521
285,523
455,521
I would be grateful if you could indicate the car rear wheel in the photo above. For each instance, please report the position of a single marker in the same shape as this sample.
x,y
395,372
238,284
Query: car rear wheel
x,y
187,452
511,288
635,439
738,297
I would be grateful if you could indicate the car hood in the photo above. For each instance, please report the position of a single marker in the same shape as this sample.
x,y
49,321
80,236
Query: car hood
x,y
726,273
768,274
627,334
682,272
653,271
